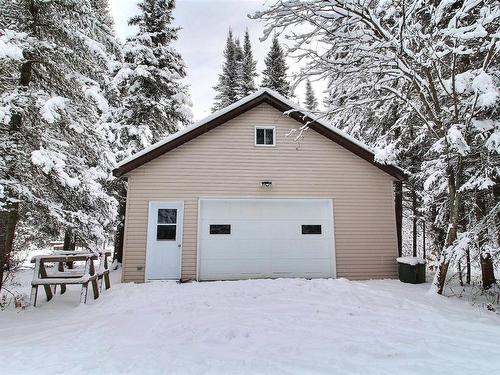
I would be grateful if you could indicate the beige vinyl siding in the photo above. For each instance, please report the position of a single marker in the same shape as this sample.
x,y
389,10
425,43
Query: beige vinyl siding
x,y
224,162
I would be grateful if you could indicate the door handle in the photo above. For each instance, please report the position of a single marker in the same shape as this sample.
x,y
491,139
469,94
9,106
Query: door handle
x,y
179,245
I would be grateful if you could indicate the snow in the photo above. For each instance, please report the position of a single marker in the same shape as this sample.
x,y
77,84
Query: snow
x,y
9,50
284,326
50,109
412,261
493,142
49,160
488,93
386,154
457,141
95,94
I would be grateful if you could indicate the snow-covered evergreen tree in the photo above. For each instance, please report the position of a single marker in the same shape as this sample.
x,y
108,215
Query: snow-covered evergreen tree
x,y
55,158
249,68
228,87
310,102
237,79
275,72
437,65
154,103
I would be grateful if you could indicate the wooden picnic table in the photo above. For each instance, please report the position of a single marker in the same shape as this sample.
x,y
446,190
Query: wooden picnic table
x,y
64,277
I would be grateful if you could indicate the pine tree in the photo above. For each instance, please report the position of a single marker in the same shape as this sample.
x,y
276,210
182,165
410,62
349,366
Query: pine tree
x,y
444,88
249,68
228,86
154,101
311,102
56,160
274,74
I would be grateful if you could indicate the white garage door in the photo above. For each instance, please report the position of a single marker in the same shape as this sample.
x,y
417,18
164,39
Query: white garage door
x,y
251,238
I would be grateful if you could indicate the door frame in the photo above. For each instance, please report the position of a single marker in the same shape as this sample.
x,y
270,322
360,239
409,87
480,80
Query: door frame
x,y
148,229
333,252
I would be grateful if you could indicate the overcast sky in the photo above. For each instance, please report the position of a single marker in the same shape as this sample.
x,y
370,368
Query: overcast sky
x,y
205,24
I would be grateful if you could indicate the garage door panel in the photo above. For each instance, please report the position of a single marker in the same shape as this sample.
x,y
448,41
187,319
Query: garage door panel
x,y
271,249
266,238
220,249
301,249
271,209
296,266
238,266
268,229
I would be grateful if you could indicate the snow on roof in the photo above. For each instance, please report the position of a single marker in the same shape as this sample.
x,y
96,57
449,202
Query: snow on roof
x,y
187,129
294,108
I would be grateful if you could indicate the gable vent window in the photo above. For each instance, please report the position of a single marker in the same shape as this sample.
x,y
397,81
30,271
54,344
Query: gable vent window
x,y
265,136
220,229
311,229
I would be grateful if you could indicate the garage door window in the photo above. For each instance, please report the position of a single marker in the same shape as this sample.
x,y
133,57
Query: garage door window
x,y
166,228
311,229
220,229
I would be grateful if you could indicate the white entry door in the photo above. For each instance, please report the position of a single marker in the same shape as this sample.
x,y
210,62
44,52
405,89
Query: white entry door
x,y
164,245
257,238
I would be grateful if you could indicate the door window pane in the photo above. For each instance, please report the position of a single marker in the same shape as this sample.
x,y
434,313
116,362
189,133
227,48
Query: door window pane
x,y
166,232
311,229
167,216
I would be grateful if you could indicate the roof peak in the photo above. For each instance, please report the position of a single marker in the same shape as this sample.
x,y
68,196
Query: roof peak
x,y
235,109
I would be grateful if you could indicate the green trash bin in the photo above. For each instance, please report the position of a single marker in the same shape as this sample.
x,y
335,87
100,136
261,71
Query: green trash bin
x,y
411,270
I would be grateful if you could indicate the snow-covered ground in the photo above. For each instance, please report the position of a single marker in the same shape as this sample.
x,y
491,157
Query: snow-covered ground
x,y
285,326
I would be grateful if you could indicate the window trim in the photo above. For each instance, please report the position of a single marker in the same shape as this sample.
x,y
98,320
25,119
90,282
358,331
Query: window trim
x,y
264,127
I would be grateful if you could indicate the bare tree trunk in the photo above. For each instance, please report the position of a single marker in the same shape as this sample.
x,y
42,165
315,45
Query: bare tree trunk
x,y
467,275
454,202
8,223
69,244
460,274
10,217
398,205
120,229
67,239
415,219
487,271
423,240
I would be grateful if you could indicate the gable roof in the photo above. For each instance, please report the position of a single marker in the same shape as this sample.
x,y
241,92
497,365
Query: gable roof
x,y
263,95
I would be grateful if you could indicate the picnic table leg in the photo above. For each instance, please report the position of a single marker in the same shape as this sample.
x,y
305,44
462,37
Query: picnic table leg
x,y
85,286
34,288
83,293
60,268
100,278
43,274
94,281
107,282
34,293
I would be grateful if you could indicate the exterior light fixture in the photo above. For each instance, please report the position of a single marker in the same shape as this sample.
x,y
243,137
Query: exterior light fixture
x,y
266,184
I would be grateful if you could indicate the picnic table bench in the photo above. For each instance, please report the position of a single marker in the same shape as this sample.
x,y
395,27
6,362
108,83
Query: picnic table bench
x,y
64,277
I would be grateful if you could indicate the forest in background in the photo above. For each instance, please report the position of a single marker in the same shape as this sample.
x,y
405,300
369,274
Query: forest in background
x,y
417,81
